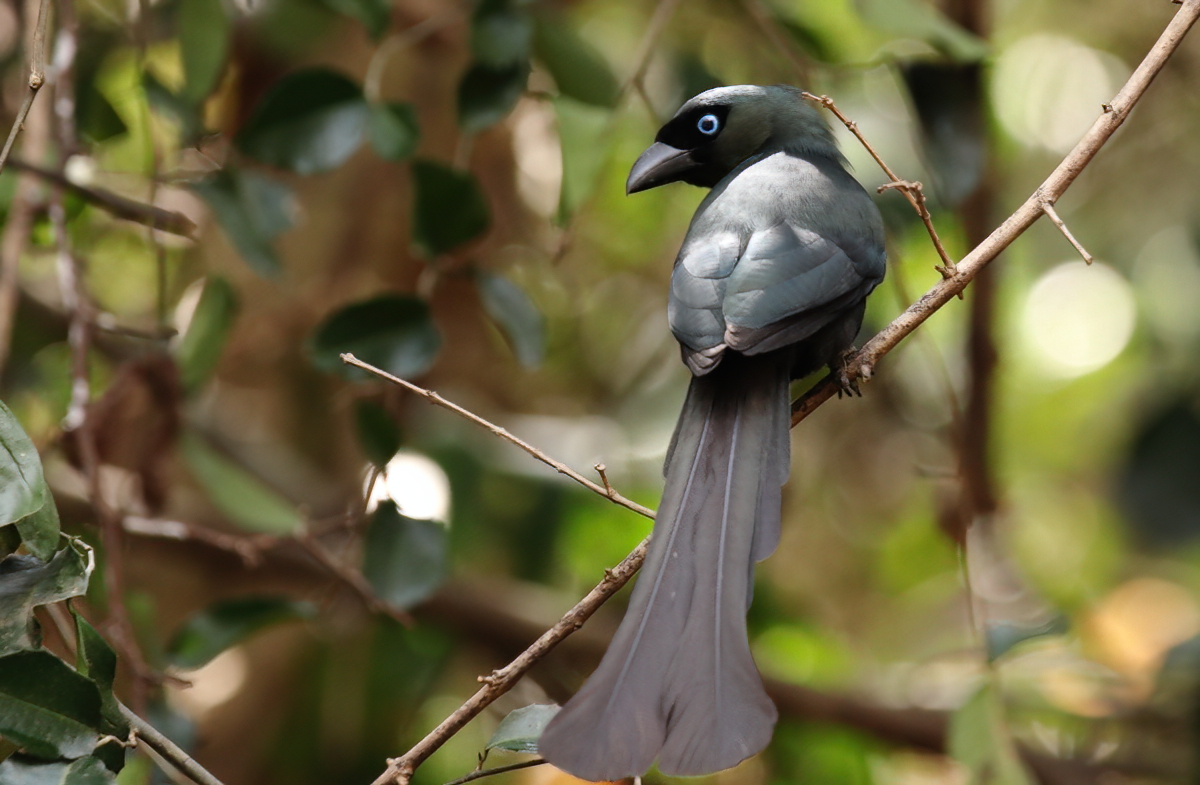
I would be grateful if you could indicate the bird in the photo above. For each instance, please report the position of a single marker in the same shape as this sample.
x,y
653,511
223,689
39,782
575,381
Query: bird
x,y
769,285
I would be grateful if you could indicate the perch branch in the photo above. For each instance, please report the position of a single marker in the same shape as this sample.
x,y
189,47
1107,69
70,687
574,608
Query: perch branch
x,y
479,774
400,770
863,363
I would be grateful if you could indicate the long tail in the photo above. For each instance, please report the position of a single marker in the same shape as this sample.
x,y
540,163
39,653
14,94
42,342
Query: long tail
x,y
678,682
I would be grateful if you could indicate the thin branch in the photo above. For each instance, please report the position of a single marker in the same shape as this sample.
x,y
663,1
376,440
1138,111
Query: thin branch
x,y
558,466
248,549
912,190
400,769
1052,214
479,774
37,77
114,204
167,748
352,578
863,363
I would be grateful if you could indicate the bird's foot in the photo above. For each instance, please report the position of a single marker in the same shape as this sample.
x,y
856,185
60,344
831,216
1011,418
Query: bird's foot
x,y
847,382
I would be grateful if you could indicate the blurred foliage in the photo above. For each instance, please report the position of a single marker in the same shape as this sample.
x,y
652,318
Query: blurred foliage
x,y
439,189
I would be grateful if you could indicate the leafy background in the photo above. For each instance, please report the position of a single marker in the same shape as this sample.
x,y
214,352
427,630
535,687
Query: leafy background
x,y
438,188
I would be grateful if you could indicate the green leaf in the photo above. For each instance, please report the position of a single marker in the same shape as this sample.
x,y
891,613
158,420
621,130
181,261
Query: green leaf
x,y
182,110
375,15
23,490
48,709
97,120
404,559
584,132
977,738
23,770
96,660
487,93
39,532
392,332
27,582
204,32
500,34
200,348
221,625
393,130
518,318
253,210
521,729
311,121
449,209
243,498
378,432
579,71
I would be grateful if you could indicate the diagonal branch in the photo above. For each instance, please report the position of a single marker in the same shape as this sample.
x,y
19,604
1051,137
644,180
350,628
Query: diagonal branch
x,y
114,204
861,365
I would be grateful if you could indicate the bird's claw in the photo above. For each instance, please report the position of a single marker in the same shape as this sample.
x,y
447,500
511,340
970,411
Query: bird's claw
x,y
847,382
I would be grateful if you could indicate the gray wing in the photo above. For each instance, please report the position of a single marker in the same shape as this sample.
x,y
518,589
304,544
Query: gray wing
x,y
777,287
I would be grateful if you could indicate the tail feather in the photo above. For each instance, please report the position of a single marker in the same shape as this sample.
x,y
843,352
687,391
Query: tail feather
x,y
678,682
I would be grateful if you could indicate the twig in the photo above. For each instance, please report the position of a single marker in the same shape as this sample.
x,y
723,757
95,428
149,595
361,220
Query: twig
x,y
248,549
602,470
558,466
912,190
1052,214
114,204
863,363
481,773
352,578
37,77
400,769
167,748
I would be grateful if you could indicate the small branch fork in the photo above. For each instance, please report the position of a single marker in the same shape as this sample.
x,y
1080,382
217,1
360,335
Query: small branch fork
x,y
913,191
861,365
1038,204
1052,214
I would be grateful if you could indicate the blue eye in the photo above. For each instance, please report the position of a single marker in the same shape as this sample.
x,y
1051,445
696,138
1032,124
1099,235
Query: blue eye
x,y
709,124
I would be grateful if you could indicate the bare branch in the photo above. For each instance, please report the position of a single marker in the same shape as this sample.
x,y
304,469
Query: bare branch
x,y
1052,214
912,190
114,204
167,748
37,77
558,466
497,683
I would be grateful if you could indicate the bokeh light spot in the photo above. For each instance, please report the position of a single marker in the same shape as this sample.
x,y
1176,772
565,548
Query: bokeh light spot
x,y
416,484
1078,318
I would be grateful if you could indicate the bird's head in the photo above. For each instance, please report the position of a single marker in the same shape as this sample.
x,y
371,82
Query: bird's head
x,y
717,130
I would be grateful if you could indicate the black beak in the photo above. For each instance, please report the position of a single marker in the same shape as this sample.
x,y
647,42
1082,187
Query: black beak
x,y
659,165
